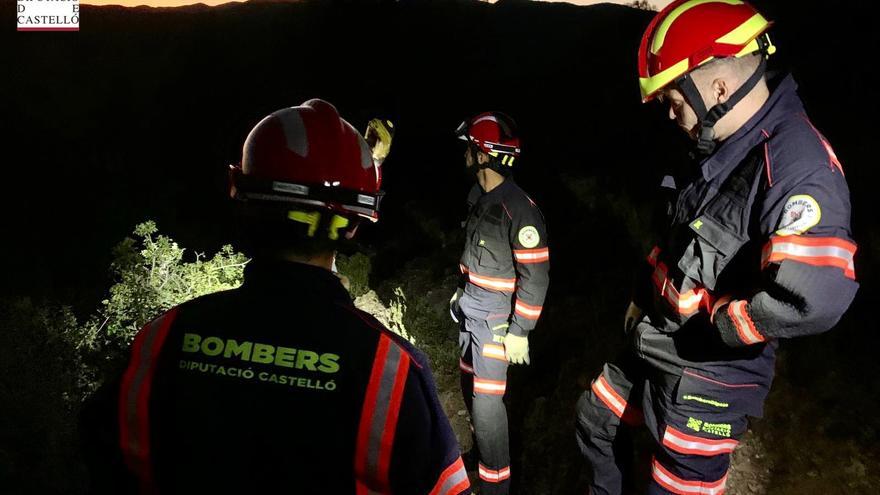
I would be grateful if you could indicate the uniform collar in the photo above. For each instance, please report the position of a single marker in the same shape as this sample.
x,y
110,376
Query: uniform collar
x,y
783,100
286,277
499,189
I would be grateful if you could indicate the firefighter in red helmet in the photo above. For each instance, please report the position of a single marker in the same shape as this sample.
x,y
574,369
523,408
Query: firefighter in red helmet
x,y
758,248
505,274
282,384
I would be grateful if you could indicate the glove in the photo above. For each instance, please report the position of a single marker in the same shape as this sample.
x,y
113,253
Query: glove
x,y
379,134
517,349
632,317
453,304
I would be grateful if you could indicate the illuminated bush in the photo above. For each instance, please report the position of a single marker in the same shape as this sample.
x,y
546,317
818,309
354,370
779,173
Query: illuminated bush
x,y
357,268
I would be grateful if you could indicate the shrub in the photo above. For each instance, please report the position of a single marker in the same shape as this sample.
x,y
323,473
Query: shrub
x,y
357,268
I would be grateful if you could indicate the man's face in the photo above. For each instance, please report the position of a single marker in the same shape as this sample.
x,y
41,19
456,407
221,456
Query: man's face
x,y
680,111
469,157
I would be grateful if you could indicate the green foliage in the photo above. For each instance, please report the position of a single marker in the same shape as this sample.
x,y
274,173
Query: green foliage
x,y
396,313
642,4
50,362
39,393
357,268
152,277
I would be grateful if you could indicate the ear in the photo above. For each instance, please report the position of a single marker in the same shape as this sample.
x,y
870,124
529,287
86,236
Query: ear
x,y
720,91
482,158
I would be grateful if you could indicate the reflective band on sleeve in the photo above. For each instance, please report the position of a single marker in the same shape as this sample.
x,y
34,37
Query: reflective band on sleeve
x,y
494,351
452,481
379,417
745,327
466,368
680,486
685,304
531,255
134,396
492,283
689,444
652,256
527,311
493,475
491,387
816,251
718,304
616,403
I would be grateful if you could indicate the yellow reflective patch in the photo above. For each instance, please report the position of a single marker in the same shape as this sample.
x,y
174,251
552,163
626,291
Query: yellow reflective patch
x,y
309,218
746,31
336,223
663,29
698,224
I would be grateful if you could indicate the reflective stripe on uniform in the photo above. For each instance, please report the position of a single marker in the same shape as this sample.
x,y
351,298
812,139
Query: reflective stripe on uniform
x,y
494,351
532,255
492,283
688,444
685,304
134,395
452,481
491,387
494,475
615,402
466,368
745,327
681,486
527,311
816,251
379,417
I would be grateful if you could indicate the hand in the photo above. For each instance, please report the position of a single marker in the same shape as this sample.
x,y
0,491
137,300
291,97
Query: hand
x,y
379,134
453,304
517,349
632,317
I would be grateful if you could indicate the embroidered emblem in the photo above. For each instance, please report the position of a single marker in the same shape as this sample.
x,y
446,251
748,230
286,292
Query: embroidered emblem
x,y
800,214
529,237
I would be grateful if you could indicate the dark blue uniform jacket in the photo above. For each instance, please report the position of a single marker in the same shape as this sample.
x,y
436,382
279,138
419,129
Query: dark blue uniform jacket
x,y
759,248
281,385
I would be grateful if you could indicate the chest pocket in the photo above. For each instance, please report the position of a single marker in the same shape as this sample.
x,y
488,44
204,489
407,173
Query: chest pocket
x,y
493,250
712,247
721,230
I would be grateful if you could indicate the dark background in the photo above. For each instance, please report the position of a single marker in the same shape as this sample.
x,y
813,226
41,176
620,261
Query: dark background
x,y
137,115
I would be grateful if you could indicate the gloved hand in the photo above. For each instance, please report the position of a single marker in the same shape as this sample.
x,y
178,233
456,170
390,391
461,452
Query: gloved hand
x,y
453,304
379,134
632,317
516,348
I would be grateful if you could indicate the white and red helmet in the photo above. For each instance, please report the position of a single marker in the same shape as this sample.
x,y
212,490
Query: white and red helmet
x,y
493,133
308,155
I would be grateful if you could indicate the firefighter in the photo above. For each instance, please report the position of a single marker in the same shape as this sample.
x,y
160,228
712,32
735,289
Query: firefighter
x,y
282,384
758,249
505,273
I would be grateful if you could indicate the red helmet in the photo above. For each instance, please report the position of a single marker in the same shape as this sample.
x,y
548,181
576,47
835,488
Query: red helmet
x,y
690,33
494,133
309,155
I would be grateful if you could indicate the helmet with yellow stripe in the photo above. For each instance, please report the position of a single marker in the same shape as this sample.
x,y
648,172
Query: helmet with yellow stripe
x,y
689,34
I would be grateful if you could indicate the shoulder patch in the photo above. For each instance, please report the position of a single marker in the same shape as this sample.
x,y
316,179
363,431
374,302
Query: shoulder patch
x,y
529,237
800,213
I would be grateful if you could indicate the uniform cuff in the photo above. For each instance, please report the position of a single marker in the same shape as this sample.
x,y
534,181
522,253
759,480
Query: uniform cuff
x,y
727,329
517,330
735,325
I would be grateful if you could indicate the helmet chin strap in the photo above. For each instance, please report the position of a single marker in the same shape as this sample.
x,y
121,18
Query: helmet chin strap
x,y
708,118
